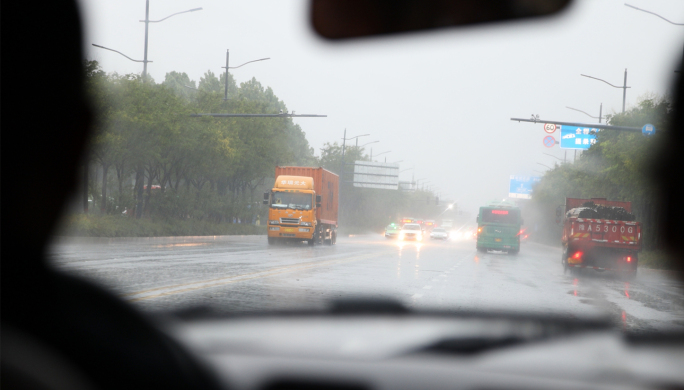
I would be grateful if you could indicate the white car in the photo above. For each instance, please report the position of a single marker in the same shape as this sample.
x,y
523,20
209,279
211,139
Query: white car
x,y
411,231
439,234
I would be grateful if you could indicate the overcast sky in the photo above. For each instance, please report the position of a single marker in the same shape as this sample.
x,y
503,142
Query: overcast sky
x,y
441,102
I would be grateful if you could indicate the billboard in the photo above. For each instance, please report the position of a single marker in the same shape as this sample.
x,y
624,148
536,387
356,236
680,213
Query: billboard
x,y
369,174
521,186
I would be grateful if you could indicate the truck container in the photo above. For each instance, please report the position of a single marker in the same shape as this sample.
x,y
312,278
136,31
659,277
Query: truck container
x,y
303,205
600,243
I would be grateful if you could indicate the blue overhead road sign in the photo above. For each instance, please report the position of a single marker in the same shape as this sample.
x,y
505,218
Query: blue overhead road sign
x,y
521,186
648,129
575,137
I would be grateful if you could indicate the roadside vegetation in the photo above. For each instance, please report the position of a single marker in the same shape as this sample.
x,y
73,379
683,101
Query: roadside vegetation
x,y
81,225
155,170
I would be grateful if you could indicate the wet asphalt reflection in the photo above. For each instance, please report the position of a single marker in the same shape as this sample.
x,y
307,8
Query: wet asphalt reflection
x,y
233,273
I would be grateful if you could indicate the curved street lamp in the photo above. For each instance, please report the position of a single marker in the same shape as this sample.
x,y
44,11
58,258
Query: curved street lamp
x,y
624,87
371,156
225,92
367,143
553,156
589,115
147,22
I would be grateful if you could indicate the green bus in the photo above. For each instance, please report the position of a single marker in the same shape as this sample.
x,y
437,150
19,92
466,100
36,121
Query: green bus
x,y
498,228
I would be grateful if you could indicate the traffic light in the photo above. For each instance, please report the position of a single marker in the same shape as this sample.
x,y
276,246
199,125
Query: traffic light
x,y
436,201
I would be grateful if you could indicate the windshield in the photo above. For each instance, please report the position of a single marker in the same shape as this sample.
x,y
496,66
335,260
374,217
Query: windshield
x,y
438,230
500,216
176,205
291,200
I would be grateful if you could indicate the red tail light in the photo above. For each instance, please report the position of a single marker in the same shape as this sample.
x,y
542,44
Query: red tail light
x,y
575,258
629,259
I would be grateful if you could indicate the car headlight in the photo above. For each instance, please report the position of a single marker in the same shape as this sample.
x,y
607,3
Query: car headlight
x,y
305,223
273,222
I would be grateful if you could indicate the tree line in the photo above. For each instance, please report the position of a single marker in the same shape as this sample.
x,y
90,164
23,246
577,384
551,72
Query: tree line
x,y
163,163
150,159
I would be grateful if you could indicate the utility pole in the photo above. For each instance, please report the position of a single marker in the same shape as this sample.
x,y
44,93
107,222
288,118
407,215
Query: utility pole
x,y
225,93
624,93
344,140
147,24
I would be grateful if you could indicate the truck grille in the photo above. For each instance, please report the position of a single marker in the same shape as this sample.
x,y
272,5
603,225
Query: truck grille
x,y
291,221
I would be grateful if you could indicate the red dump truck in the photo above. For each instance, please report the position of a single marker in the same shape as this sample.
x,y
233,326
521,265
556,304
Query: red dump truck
x,y
602,235
303,205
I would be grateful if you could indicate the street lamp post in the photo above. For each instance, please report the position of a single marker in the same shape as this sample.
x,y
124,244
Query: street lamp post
x,y
557,158
377,154
624,87
225,93
591,116
344,142
147,23
368,143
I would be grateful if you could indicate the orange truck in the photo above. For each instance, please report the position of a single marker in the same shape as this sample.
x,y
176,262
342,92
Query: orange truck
x,y
303,205
601,242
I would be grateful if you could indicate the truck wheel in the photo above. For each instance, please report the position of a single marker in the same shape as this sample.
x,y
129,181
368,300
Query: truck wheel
x,y
312,241
514,251
271,241
481,249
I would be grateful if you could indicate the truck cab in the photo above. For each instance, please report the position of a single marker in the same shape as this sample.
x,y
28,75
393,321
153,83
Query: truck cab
x,y
498,228
303,206
292,208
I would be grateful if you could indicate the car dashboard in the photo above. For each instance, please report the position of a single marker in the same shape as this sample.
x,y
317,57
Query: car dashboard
x,y
399,351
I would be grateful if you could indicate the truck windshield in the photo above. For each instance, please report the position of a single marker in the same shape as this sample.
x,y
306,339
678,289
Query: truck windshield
x,y
291,200
500,216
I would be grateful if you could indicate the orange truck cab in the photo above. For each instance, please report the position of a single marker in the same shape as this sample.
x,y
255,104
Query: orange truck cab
x,y
302,206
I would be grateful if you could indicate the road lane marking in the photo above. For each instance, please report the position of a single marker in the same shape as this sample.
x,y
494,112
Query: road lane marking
x,y
202,284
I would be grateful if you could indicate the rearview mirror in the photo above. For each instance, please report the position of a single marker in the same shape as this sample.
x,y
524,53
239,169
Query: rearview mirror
x,y
266,196
344,19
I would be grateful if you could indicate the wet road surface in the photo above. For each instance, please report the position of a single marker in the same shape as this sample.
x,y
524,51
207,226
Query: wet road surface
x,y
244,273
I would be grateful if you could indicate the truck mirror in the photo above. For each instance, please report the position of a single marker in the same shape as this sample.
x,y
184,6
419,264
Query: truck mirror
x,y
318,199
266,196
318,205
